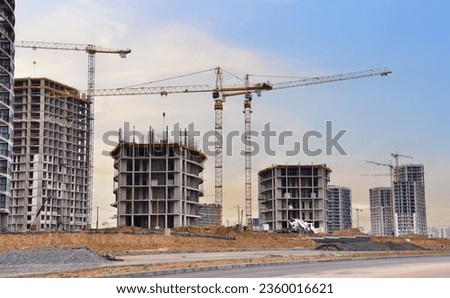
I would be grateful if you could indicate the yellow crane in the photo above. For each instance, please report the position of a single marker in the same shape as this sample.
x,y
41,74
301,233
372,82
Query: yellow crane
x,y
219,94
91,50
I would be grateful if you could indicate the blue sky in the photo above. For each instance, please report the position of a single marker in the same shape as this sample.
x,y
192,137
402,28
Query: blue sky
x,y
407,111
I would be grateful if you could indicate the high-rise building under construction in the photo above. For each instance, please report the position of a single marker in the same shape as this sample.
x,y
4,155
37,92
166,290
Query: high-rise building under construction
x,y
7,36
381,214
340,208
409,200
50,166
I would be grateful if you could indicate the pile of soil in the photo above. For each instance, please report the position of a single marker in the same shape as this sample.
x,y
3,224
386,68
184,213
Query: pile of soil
x,y
349,232
134,240
120,240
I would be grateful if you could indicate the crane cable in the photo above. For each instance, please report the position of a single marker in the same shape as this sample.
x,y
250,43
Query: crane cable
x,y
170,78
280,77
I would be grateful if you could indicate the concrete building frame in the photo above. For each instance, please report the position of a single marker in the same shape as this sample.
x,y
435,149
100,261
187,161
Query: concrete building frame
x,y
294,191
50,166
158,184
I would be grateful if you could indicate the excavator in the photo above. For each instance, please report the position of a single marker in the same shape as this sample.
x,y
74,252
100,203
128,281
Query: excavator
x,y
299,225
33,225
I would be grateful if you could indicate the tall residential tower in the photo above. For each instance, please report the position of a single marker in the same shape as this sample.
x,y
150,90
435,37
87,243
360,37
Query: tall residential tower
x,y
381,214
409,200
340,208
50,169
7,36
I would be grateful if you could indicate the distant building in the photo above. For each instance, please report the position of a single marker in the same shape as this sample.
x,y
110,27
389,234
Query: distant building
x,y
210,215
439,232
381,213
409,201
7,37
157,183
256,226
340,208
50,166
294,191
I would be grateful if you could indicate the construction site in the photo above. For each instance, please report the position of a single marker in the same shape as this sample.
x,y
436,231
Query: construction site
x,y
51,186
48,163
47,170
99,252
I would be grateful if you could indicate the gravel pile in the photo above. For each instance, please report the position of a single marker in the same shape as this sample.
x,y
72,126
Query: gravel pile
x,y
29,262
403,246
369,246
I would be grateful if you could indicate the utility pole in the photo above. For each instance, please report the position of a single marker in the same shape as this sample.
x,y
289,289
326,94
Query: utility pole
x,y
239,216
96,224
357,216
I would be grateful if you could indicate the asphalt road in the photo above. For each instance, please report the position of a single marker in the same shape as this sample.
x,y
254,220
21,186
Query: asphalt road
x,y
146,259
405,267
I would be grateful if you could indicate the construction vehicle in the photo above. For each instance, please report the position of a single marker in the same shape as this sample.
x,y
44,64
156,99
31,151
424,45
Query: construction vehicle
x,y
33,225
299,225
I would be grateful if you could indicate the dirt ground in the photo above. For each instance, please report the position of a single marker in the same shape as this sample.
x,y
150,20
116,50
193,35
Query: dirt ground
x,y
121,240
427,243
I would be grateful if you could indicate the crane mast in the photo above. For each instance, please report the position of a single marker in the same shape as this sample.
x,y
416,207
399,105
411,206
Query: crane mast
x,y
91,50
219,98
248,155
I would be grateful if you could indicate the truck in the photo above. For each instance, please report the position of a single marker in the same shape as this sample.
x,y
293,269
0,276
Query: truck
x,y
299,225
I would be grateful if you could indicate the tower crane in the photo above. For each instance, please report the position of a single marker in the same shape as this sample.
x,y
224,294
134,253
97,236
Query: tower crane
x,y
391,167
284,85
396,155
219,94
91,50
